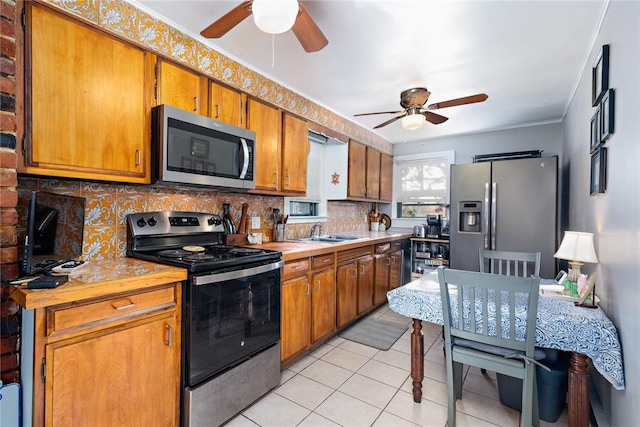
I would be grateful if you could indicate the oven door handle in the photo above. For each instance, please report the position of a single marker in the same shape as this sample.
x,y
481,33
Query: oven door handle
x,y
236,274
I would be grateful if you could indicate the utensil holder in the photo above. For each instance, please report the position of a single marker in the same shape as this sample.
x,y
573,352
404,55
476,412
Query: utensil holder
x,y
279,233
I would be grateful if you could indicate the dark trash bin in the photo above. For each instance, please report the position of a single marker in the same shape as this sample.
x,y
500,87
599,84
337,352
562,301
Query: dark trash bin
x,y
552,387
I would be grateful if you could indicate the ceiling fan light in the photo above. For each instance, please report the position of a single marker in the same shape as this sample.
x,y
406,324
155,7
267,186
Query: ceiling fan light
x,y
413,120
274,16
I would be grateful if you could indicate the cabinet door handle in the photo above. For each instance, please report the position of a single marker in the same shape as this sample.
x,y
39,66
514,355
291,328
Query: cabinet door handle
x,y
138,160
355,272
388,261
275,176
318,287
118,305
168,341
393,260
308,289
362,268
217,111
195,103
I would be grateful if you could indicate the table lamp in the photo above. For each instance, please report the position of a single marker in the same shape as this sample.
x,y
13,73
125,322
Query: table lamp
x,y
577,248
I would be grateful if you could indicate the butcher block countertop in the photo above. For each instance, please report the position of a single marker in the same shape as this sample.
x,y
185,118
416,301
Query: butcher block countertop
x,y
98,279
109,277
292,249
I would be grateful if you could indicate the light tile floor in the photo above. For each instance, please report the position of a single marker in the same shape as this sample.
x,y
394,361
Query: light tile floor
x,y
344,383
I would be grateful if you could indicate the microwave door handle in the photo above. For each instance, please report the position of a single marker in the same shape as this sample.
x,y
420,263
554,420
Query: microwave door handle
x,y
245,155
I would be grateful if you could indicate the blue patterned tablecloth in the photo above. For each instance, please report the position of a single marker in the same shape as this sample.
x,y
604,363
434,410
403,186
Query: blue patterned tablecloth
x,y
560,324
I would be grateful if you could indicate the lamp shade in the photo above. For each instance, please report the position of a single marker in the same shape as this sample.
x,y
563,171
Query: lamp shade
x,y
274,16
413,120
577,246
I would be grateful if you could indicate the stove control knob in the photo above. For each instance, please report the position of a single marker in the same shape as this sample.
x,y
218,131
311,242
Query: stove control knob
x,y
152,221
141,222
214,220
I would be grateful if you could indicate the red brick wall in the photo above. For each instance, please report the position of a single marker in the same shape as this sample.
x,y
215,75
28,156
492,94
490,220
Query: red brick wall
x,y
8,195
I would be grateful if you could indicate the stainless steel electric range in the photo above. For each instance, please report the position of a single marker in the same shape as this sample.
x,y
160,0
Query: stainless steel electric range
x,y
230,316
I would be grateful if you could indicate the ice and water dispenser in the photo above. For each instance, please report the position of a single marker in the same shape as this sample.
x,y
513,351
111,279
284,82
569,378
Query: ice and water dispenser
x,y
470,217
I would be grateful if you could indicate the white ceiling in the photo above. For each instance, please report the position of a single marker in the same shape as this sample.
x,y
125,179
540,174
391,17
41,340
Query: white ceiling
x,y
526,55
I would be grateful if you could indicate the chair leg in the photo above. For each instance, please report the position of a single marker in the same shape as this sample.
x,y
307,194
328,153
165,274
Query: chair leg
x,y
529,416
457,379
451,395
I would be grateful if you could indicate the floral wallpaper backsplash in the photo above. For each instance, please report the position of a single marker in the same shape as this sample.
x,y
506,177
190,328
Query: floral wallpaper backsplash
x,y
107,205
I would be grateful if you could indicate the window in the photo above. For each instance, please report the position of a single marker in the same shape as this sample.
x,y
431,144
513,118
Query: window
x,y
422,184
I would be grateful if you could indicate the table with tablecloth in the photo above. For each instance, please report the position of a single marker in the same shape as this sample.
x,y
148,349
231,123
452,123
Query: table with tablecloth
x,y
560,325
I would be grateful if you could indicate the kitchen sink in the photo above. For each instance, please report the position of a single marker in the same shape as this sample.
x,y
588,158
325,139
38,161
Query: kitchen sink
x,y
334,238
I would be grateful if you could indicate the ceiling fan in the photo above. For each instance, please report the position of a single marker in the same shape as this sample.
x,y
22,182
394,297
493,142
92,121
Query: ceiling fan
x,y
305,29
414,114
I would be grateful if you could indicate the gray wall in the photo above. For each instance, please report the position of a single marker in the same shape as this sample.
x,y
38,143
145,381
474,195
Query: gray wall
x,y
613,217
547,137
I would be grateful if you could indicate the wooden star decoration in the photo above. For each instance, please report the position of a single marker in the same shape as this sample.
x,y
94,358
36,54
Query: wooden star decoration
x,y
335,178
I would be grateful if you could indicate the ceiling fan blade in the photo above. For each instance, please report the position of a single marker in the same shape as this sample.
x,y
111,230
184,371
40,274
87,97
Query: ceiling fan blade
x,y
390,121
379,112
307,32
480,97
220,27
434,118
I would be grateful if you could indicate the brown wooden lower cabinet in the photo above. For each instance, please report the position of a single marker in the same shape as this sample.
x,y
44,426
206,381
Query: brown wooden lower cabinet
x,y
324,293
354,282
388,270
295,319
323,301
109,361
308,303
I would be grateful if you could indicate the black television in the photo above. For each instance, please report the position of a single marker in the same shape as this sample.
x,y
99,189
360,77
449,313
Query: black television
x,y
26,263
52,230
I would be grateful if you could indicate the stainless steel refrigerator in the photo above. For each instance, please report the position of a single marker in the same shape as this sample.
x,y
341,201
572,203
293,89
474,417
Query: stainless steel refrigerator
x,y
508,205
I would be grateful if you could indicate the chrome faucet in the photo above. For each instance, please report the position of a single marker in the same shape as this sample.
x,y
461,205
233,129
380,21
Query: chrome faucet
x,y
316,227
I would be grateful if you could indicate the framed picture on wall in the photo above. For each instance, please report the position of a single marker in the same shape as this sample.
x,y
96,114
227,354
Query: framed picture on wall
x,y
599,171
595,131
607,115
600,75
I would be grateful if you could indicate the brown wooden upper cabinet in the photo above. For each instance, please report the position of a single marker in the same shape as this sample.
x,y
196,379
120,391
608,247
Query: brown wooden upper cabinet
x,y
370,173
226,104
386,177
373,174
295,150
182,88
357,183
264,120
88,103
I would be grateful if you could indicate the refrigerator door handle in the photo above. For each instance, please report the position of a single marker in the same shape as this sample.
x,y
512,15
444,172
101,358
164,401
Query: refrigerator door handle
x,y
494,208
486,215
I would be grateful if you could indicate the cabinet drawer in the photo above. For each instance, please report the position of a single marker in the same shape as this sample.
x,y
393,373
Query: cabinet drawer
x,y
382,248
295,268
108,311
396,246
322,261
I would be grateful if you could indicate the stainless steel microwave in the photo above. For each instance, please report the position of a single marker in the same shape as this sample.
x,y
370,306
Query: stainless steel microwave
x,y
190,149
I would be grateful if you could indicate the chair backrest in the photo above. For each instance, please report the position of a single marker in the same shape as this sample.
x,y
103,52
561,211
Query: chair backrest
x,y
509,263
508,321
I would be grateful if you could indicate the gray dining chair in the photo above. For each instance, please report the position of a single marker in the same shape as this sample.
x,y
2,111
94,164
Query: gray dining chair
x,y
503,339
509,263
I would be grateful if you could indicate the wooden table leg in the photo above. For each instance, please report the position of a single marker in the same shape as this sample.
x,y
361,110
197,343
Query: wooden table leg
x,y
417,359
578,391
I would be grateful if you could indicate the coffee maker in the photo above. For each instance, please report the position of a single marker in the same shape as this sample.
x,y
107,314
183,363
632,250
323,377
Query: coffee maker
x,y
434,226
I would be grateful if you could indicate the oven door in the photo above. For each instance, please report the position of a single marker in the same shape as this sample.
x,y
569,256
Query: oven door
x,y
232,316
